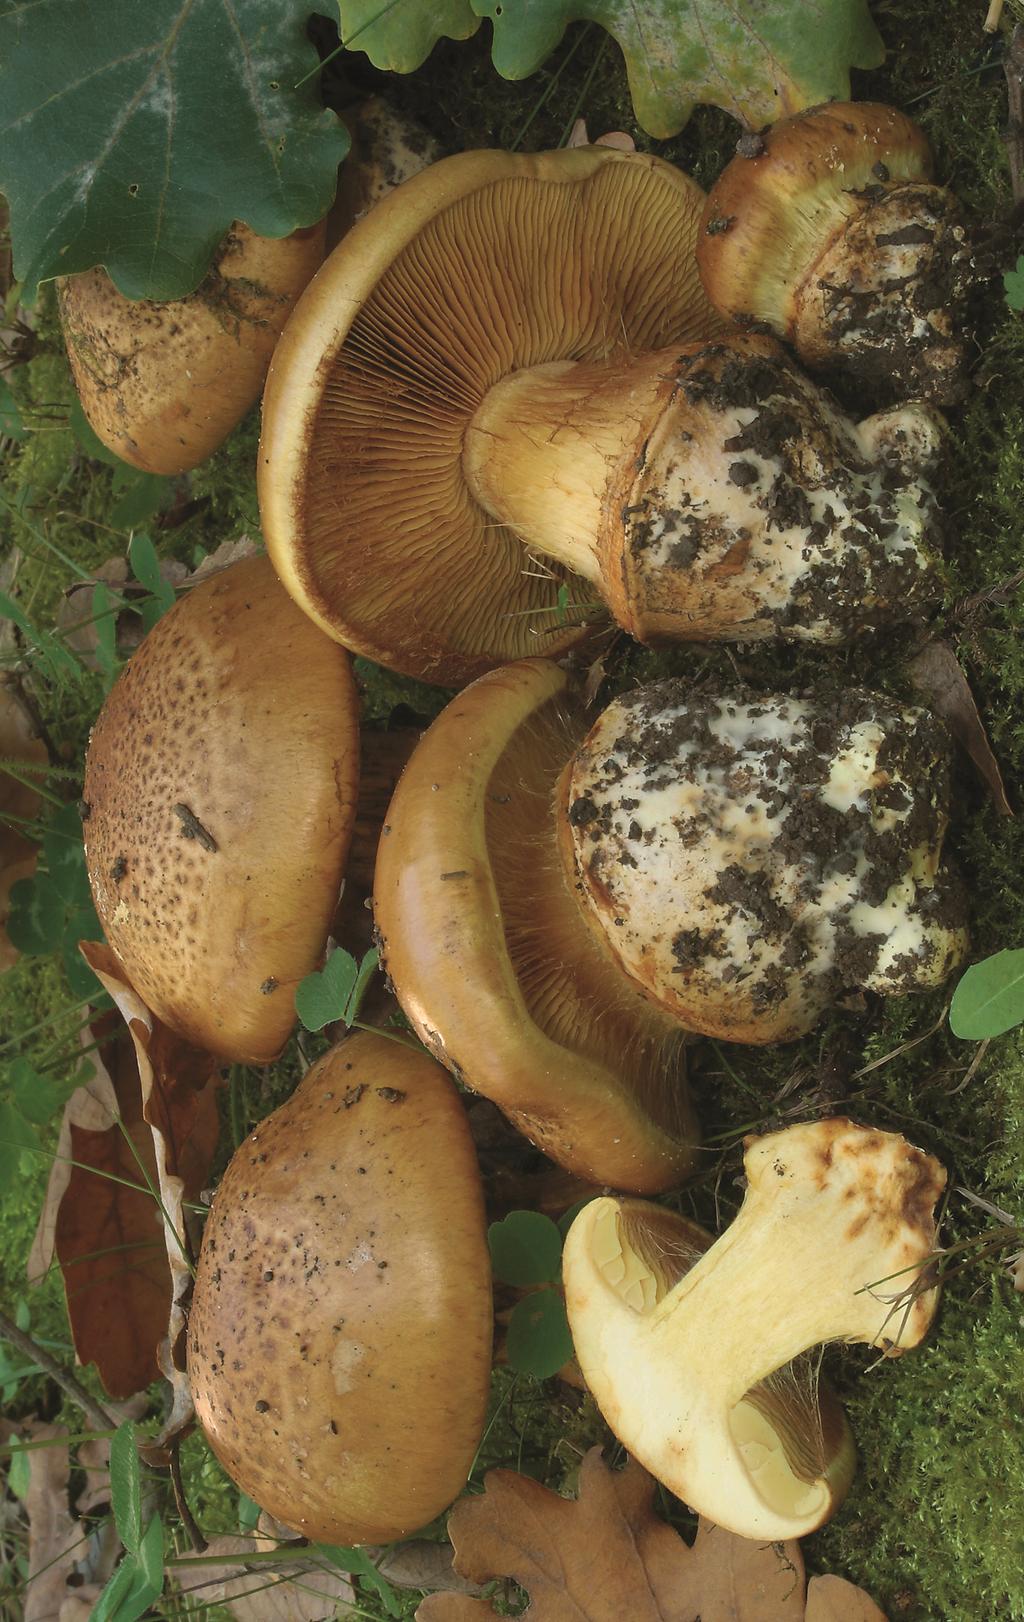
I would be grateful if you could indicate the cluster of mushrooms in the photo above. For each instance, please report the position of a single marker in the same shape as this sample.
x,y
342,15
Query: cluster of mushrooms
x,y
522,394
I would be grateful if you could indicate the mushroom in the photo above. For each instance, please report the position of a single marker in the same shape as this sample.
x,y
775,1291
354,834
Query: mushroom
x,y
833,235
163,383
219,796
494,962
555,911
446,292
387,148
446,478
339,1342
749,859
687,1350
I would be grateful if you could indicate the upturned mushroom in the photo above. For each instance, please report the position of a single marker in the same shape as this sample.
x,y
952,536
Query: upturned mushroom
x,y
494,962
830,232
220,791
689,1351
339,1341
447,291
467,456
556,911
162,384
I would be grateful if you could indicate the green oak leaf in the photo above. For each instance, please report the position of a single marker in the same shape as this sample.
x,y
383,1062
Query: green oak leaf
x,y
989,998
399,35
526,1248
132,136
758,59
539,1342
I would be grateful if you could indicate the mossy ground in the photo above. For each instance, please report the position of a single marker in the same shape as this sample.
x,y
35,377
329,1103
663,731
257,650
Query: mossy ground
x,y
932,1525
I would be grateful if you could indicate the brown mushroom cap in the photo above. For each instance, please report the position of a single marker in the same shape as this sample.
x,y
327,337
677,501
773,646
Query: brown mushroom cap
x,y
162,384
484,265
835,237
490,957
219,794
340,1332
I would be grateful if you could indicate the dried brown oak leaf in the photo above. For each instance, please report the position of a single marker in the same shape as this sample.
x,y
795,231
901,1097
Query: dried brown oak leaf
x,y
146,1119
606,1557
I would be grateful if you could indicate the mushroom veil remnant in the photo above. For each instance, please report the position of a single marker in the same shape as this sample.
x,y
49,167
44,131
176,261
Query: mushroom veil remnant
x,y
685,1348
340,1334
834,236
220,789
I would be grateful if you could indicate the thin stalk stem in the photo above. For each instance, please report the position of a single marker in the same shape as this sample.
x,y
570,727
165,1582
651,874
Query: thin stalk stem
x,y
10,1332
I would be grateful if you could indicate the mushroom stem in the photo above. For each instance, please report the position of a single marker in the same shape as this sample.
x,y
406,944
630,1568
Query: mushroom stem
x,y
711,491
550,448
836,1224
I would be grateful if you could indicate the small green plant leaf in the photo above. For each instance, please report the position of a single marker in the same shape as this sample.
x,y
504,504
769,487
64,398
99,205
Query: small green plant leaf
x,y
146,569
248,1512
141,496
539,1342
64,854
58,660
367,970
104,623
18,1471
399,35
357,1563
126,1487
81,925
990,997
526,1248
16,1136
323,996
11,425
89,439
37,1097
36,919
1013,282
136,1583
134,135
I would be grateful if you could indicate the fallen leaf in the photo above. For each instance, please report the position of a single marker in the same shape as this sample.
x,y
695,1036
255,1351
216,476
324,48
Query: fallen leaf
x,y
939,678
54,1536
104,1226
177,1090
605,1556
422,1565
833,1599
294,1591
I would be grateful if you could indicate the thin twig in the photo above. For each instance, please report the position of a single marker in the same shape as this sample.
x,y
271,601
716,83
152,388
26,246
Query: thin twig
x,y
1013,67
9,1331
195,1537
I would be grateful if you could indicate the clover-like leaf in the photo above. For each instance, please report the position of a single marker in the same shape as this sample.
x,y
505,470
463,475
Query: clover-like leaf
x,y
36,918
526,1248
539,1342
133,136
322,996
989,998
1013,282
64,853
758,59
